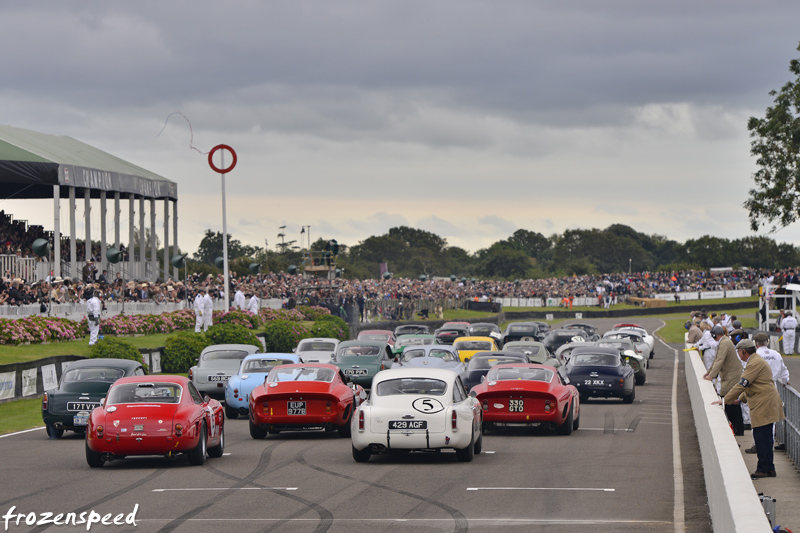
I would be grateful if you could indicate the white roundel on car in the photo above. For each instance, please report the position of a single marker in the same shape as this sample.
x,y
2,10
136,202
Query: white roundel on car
x,y
427,405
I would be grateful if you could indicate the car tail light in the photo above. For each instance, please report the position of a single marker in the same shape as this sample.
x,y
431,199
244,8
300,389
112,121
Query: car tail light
x,y
44,402
548,406
454,420
383,366
361,420
178,430
190,375
327,408
621,383
265,407
485,405
99,430
236,392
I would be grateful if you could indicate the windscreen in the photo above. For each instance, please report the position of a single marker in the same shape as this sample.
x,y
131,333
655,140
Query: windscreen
x,y
416,386
485,363
589,359
527,350
374,337
514,373
616,343
93,374
226,355
413,341
304,373
316,346
145,393
263,365
523,329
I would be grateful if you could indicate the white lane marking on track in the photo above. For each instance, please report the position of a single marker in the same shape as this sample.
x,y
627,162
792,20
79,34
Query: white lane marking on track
x,y
225,488
602,429
544,488
678,511
20,432
565,521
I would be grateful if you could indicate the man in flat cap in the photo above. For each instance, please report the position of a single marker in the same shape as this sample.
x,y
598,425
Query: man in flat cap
x,y
757,388
729,369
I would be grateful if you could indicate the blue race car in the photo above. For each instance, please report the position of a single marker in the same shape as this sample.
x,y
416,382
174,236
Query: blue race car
x,y
252,372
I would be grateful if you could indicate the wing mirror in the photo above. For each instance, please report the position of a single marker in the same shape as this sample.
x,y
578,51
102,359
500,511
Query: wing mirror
x,y
102,402
473,394
483,378
206,399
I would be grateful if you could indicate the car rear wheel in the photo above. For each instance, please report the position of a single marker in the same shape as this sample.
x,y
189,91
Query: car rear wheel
x,y
465,455
640,379
93,458
216,451
479,444
231,412
577,423
652,354
344,431
198,455
257,432
566,427
53,432
361,456
630,397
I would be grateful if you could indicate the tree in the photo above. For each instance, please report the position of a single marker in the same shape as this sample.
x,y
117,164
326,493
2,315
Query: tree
x,y
776,143
211,247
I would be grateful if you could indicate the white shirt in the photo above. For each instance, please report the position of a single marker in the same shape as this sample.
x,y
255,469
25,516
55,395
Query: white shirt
x,y
208,304
198,304
707,341
238,300
252,305
789,322
779,371
93,307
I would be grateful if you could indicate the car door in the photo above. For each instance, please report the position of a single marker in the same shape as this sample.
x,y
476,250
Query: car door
x,y
466,405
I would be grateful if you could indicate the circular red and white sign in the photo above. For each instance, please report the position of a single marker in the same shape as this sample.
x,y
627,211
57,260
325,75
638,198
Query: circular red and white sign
x,y
211,158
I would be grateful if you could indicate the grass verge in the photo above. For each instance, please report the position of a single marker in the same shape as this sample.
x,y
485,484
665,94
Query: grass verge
x,y
20,414
31,352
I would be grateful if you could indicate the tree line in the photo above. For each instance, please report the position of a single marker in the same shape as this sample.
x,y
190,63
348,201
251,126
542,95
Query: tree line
x,y
410,253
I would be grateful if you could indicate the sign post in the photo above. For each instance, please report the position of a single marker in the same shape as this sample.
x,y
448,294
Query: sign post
x,y
222,170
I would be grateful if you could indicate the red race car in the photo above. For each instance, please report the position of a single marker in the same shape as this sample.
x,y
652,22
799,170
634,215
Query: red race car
x,y
526,394
155,415
310,396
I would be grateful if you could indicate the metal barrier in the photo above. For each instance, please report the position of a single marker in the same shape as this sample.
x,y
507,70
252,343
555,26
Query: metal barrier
x,y
787,431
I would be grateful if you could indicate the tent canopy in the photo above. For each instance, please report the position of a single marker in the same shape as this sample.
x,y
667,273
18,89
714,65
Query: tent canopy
x,y
31,163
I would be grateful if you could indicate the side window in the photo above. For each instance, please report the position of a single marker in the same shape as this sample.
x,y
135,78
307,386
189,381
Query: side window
x,y
139,372
196,397
458,391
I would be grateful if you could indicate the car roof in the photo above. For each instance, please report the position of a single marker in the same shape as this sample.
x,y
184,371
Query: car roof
x,y
103,362
362,342
415,372
157,378
416,336
485,339
381,331
320,339
431,347
499,353
483,324
249,348
595,350
524,343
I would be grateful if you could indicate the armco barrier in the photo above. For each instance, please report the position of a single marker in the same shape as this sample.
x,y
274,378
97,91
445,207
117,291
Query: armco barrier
x,y
732,498
31,378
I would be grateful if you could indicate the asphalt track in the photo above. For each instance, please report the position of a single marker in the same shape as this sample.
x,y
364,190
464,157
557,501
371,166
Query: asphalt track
x,y
615,474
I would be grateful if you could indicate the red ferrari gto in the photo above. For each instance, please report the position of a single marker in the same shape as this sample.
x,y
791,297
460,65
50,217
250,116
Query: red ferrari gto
x,y
527,394
303,397
155,415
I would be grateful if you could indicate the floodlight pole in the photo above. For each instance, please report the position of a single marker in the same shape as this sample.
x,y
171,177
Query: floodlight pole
x,y
224,235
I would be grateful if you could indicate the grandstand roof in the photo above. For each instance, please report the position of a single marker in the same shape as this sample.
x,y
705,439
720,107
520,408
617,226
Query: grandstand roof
x,y
31,163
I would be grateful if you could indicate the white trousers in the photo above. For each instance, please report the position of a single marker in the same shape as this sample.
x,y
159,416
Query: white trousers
x,y
198,324
788,342
94,331
207,319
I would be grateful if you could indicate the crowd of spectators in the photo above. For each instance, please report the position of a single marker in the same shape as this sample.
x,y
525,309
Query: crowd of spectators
x,y
341,292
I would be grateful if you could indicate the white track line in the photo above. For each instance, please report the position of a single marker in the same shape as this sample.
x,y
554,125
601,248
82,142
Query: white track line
x,y
20,432
493,521
678,511
225,488
544,488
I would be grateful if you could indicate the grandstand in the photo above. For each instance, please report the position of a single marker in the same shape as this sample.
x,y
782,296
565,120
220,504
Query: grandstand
x,y
38,165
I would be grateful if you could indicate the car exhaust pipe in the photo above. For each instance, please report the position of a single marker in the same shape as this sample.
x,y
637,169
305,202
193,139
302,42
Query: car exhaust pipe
x,y
378,448
244,410
107,457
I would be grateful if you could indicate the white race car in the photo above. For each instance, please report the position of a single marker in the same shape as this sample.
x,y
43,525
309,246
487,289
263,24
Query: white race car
x,y
651,342
424,409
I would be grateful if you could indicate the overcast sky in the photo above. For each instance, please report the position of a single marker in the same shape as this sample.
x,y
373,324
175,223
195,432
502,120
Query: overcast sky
x,y
469,119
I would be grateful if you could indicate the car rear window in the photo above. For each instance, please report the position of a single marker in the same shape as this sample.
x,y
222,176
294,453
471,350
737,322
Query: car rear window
x,y
304,373
392,387
145,393
316,347
513,373
589,359
359,350
93,374
527,350
218,355
523,329
374,337
413,341
485,363
474,345
264,365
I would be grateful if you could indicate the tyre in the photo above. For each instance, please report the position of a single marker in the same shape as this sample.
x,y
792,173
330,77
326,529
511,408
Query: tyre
x,y
652,354
640,379
257,432
344,431
93,458
465,455
216,451
198,455
577,423
53,432
361,456
231,412
630,397
565,428
479,444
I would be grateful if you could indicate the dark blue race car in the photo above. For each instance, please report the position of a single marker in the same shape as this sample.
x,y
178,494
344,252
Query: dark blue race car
x,y
599,372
